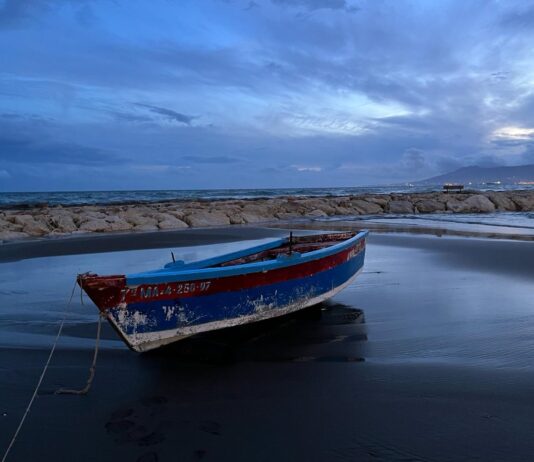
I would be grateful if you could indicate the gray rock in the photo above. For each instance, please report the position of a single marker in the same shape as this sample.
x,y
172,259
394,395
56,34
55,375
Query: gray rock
x,y
97,225
206,218
502,202
345,211
318,204
365,208
91,215
380,200
63,222
250,217
400,206
480,203
171,222
317,213
525,203
4,224
457,206
118,224
429,206
7,235
258,210
236,218
31,226
139,220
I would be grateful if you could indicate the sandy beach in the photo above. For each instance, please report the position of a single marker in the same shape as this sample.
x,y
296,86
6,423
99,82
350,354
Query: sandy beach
x,y
427,356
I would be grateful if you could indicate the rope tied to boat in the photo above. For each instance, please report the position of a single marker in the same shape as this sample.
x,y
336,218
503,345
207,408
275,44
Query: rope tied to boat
x,y
92,369
83,391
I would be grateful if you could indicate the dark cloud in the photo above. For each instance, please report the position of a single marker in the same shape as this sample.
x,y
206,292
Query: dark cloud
x,y
522,17
251,5
31,151
413,160
169,114
15,12
129,117
24,13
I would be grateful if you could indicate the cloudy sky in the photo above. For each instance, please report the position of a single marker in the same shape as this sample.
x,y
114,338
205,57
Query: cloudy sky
x,y
130,94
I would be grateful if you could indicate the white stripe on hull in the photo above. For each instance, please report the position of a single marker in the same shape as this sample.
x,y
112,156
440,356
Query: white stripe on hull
x,y
149,340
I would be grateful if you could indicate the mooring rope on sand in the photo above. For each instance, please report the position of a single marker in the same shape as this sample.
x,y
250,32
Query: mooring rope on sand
x,y
83,391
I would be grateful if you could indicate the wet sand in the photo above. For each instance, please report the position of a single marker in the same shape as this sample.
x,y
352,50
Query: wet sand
x,y
428,356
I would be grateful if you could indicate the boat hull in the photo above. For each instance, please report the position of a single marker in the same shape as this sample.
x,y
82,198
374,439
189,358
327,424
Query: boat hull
x,y
163,311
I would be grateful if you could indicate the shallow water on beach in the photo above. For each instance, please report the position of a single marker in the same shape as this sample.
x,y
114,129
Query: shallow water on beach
x,y
501,223
417,304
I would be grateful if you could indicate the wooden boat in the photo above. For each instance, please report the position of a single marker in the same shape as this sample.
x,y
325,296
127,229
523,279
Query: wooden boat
x,y
159,307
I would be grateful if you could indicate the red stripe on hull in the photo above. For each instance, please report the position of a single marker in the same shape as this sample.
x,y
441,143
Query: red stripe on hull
x,y
174,290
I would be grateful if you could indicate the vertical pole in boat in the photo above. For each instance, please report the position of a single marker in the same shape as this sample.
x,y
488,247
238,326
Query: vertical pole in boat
x,y
173,259
290,242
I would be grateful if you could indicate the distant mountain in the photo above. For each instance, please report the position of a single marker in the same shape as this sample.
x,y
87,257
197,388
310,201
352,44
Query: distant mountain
x,y
476,174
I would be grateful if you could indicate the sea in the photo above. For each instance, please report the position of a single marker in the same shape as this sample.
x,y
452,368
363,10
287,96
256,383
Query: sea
x,y
16,199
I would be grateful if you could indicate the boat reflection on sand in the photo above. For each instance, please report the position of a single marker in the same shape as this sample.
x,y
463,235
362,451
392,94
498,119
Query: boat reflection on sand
x,y
326,332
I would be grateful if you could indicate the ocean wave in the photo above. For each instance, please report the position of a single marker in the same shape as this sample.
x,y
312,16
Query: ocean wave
x,y
12,199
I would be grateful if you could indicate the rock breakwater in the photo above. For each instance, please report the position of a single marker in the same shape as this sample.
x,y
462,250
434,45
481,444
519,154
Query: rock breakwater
x,y
42,220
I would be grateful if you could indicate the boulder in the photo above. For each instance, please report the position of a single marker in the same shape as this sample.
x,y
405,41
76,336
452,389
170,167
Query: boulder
x,y
97,225
199,218
251,217
380,200
366,208
63,222
176,213
479,203
502,202
343,211
4,225
317,213
236,218
91,215
457,206
430,206
524,203
400,206
31,226
318,204
171,222
7,235
118,224
264,211
139,220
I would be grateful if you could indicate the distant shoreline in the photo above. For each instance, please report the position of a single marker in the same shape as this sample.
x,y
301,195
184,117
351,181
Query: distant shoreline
x,y
25,222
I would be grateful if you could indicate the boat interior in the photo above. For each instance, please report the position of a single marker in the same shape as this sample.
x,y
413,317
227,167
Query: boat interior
x,y
293,244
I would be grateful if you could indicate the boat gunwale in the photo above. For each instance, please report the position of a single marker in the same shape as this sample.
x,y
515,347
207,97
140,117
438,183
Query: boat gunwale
x,y
188,274
200,264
